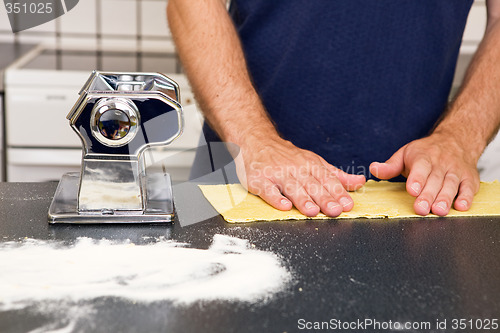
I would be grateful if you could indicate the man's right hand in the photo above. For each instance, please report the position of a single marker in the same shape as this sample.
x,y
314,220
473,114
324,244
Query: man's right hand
x,y
271,167
283,174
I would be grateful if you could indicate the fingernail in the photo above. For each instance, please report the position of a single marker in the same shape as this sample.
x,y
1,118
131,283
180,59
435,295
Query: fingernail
x,y
424,204
464,203
416,188
310,205
442,205
344,202
332,205
284,201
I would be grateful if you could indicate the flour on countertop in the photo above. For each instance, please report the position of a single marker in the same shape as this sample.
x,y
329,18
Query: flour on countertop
x,y
34,271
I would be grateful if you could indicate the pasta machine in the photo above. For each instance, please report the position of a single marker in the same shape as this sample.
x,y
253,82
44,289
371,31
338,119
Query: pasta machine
x,y
118,116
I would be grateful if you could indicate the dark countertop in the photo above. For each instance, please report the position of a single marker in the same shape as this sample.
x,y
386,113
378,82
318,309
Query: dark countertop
x,y
398,270
10,52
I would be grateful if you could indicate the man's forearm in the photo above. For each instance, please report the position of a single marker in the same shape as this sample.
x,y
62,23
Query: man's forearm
x,y
213,59
474,116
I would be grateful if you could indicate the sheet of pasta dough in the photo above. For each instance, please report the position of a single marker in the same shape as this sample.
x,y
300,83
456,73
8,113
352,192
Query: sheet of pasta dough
x,y
374,200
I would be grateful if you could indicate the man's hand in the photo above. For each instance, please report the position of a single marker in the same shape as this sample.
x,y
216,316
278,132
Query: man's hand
x,y
437,169
274,169
283,174
443,164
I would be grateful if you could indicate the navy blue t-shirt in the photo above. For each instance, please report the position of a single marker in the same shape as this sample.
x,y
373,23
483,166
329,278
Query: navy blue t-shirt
x,y
351,80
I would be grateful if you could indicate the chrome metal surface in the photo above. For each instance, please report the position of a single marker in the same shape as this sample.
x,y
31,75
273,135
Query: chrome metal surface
x,y
151,96
114,121
158,203
117,117
141,83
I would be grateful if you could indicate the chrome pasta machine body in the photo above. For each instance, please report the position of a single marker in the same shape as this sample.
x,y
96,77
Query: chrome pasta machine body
x,y
118,116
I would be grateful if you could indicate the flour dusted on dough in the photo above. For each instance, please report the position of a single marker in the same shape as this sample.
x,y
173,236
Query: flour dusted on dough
x,y
374,200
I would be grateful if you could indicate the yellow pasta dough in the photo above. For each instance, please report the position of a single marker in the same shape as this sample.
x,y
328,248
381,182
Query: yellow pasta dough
x,y
374,200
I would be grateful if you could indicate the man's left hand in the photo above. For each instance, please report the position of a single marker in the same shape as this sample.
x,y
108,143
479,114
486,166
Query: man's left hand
x,y
439,173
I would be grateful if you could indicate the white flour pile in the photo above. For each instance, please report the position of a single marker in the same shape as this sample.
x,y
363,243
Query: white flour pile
x,y
34,271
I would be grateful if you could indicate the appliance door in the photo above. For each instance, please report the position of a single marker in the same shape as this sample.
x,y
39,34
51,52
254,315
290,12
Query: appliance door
x,y
37,117
40,165
40,144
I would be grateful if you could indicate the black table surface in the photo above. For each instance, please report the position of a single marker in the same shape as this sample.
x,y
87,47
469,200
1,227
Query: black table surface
x,y
408,270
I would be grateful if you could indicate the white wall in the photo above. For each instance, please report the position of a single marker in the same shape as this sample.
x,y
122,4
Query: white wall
x,y
124,24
